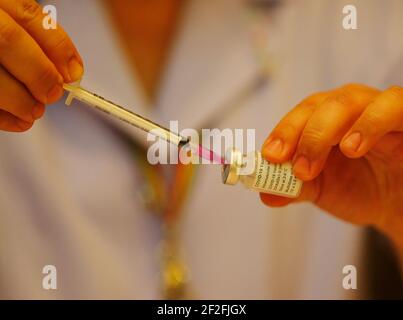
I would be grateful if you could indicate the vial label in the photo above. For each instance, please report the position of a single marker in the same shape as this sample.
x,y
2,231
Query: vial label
x,y
276,178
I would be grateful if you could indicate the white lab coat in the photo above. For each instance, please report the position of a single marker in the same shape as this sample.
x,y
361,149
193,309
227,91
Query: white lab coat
x,y
69,187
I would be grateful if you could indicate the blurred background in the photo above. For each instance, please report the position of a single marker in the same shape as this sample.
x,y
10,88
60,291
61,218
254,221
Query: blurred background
x,y
79,194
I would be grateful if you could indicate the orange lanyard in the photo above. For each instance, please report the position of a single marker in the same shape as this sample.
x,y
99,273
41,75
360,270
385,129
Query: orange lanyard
x,y
166,195
164,192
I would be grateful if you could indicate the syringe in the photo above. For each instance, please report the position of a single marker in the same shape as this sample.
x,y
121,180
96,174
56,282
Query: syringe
x,y
94,100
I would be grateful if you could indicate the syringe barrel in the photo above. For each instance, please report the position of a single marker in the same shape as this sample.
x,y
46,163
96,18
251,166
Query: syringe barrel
x,y
123,114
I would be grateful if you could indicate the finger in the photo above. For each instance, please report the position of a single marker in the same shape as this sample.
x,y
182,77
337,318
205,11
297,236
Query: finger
x,y
281,143
9,122
383,115
26,61
329,120
391,144
55,42
325,128
17,100
275,201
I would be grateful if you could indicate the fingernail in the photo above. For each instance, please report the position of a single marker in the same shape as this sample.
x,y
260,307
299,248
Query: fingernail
x,y
54,93
75,70
302,166
353,141
274,148
23,125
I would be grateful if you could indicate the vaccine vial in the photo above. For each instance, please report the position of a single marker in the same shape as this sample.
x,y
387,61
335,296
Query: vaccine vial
x,y
256,173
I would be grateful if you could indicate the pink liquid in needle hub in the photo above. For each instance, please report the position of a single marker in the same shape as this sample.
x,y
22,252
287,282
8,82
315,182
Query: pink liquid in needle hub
x,y
209,155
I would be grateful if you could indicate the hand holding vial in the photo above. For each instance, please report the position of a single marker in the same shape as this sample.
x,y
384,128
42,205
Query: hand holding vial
x,y
347,145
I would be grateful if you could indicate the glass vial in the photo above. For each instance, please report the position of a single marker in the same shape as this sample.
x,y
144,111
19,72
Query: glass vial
x,y
260,175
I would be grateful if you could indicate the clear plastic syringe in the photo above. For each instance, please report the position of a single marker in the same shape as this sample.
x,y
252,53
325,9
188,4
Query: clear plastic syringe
x,y
94,100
